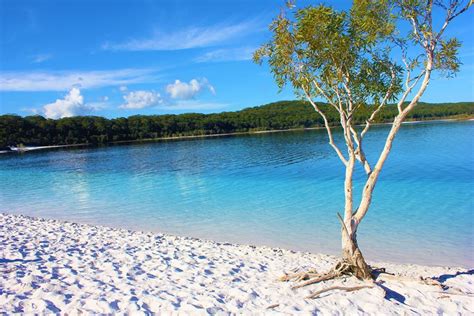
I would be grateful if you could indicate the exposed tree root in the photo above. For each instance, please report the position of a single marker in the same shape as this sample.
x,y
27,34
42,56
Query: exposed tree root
x,y
320,278
343,288
297,277
273,306
345,268
311,276
384,276
341,268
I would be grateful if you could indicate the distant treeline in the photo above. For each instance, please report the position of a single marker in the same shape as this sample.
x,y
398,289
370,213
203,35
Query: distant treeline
x,y
38,131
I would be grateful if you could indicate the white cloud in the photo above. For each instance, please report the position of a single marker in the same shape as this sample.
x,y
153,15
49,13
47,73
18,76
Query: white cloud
x,y
189,38
183,90
37,59
227,54
123,88
141,99
71,105
64,80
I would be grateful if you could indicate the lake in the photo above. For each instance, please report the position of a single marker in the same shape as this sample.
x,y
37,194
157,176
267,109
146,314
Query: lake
x,y
276,189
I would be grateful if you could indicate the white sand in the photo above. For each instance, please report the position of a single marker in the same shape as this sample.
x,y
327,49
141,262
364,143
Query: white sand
x,y
49,266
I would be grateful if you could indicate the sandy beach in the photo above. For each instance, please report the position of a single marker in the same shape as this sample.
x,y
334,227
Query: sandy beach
x,y
49,266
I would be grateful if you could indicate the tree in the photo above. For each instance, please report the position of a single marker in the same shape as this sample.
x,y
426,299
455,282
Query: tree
x,y
359,61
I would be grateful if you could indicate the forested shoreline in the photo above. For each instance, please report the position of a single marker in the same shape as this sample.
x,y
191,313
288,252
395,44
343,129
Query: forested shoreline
x,y
39,131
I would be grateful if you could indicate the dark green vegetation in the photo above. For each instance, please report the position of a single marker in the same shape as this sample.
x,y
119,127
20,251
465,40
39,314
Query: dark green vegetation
x,y
38,131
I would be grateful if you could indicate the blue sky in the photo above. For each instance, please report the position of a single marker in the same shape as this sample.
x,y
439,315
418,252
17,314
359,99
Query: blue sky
x,y
120,58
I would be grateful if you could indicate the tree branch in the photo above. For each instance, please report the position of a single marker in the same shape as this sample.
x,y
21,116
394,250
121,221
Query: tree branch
x,y
381,105
330,101
328,128
416,32
359,153
342,288
342,114
408,90
450,16
372,180
346,121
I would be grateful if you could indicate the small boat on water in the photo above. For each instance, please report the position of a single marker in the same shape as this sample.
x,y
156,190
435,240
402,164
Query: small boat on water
x,y
23,148
9,149
20,149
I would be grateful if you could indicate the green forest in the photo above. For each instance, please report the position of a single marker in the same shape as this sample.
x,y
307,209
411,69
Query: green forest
x,y
93,130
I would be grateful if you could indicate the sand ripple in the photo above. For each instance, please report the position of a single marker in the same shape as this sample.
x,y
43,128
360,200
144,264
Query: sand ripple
x,y
49,266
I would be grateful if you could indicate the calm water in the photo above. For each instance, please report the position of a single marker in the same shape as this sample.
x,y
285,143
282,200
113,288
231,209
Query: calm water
x,y
279,189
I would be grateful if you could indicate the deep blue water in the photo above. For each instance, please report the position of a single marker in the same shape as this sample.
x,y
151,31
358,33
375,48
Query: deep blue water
x,y
277,189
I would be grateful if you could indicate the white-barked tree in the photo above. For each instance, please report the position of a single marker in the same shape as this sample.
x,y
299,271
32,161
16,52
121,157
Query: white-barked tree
x,y
379,52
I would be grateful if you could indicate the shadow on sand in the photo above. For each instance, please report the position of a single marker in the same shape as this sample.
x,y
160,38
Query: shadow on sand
x,y
4,260
443,278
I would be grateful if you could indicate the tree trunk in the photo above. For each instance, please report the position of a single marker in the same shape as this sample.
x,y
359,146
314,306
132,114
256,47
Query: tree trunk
x,y
352,255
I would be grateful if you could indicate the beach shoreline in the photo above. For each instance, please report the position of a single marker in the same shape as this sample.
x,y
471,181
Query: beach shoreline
x,y
52,266
191,137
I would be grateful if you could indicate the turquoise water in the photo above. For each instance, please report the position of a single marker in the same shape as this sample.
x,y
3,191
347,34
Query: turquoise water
x,y
277,189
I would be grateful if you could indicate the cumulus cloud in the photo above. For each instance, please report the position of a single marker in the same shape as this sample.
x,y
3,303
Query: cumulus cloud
x,y
189,38
71,105
141,99
183,90
64,80
123,88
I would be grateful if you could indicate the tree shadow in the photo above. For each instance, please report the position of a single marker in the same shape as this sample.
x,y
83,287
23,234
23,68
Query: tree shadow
x,y
444,277
5,260
392,295
389,293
